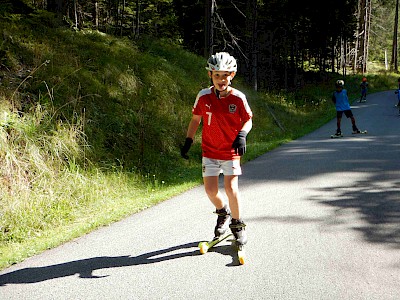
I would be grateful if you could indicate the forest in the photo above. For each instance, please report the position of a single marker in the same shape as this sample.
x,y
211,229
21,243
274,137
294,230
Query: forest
x,y
276,42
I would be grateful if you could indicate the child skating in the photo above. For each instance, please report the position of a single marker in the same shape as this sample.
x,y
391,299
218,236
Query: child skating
x,y
398,95
398,99
364,89
341,101
227,119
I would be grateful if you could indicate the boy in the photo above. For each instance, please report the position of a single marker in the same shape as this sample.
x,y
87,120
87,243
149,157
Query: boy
x,y
342,104
227,119
398,95
364,88
398,98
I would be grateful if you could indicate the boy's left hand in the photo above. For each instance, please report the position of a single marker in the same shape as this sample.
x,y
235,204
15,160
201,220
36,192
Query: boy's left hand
x,y
239,144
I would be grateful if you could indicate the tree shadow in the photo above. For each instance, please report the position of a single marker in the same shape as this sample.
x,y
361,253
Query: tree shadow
x,y
376,202
373,200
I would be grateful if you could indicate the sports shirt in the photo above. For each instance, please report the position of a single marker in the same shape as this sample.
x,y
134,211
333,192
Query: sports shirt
x,y
222,120
364,85
342,101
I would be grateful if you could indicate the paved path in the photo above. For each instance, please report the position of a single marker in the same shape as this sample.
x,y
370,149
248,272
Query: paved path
x,y
323,220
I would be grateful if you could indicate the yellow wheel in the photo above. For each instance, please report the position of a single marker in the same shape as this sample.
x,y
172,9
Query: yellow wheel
x,y
241,256
203,246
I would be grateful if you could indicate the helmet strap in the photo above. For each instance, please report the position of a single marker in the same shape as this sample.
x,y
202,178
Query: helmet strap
x,y
218,93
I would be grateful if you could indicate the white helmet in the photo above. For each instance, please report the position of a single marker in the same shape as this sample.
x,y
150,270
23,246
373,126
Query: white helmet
x,y
222,61
339,83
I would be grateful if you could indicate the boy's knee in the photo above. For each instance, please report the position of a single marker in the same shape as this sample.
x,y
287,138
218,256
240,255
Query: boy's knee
x,y
211,192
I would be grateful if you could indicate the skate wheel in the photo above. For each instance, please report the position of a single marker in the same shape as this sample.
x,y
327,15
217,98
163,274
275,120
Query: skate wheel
x,y
241,256
203,246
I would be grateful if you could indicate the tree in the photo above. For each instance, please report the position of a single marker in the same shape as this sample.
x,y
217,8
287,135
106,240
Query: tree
x,y
275,41
57,6
363,33
209,28
393,63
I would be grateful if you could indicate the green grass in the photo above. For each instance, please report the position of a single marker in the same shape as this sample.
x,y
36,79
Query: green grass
x,y
90,128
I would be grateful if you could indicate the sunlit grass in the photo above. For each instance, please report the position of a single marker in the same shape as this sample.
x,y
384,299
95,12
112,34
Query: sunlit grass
x,y
74,204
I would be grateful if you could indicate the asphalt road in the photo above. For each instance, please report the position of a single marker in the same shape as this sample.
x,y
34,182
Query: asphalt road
x,y
323,220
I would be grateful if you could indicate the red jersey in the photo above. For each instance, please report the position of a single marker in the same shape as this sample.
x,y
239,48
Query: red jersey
x,y
222,120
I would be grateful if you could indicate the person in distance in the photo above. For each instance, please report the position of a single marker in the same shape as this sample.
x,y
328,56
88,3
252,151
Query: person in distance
x,y
341,101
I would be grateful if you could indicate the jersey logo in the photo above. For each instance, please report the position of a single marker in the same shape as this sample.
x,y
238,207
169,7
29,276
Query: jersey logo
x,y
232,108
208,106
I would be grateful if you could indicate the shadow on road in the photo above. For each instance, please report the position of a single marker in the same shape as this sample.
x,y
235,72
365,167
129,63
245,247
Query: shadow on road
x,y
86,267
374,199
376,202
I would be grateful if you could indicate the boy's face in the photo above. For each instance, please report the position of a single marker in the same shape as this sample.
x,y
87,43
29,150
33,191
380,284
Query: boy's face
x,y
339,88
221,79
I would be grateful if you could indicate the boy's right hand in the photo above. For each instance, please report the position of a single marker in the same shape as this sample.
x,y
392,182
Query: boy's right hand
x,y
185,148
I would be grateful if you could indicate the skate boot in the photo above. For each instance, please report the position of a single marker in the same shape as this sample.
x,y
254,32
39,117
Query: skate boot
x,y
356,130
238,230
338,132
224,216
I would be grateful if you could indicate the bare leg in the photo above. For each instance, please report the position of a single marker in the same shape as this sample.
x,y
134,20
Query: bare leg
x,y
231,183
237,225
353,122
222,209
338,121
211,188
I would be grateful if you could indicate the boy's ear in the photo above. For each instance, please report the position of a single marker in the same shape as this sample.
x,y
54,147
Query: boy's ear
x,y
233,74
209,74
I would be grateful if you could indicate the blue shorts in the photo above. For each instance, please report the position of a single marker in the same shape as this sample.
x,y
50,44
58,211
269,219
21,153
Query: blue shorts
x,y
348,113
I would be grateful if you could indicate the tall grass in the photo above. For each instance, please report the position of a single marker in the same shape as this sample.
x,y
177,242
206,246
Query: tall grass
x,y
47,196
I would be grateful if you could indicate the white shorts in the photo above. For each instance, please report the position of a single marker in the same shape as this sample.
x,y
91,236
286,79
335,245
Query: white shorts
x,y
214,167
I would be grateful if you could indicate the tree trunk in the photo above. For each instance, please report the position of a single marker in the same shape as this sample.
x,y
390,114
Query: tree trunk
x,y
55,6
137,29
360,42
122,18
209,28
76,14
357,34
393,64
367,18
254,57
96,14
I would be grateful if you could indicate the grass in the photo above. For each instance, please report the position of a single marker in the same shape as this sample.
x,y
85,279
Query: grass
x,y
90,128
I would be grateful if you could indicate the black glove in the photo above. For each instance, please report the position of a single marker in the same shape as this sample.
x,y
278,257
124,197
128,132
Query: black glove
x,y
185,148
239,144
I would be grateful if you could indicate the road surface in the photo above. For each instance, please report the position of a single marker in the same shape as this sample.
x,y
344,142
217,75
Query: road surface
x,y
323,220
